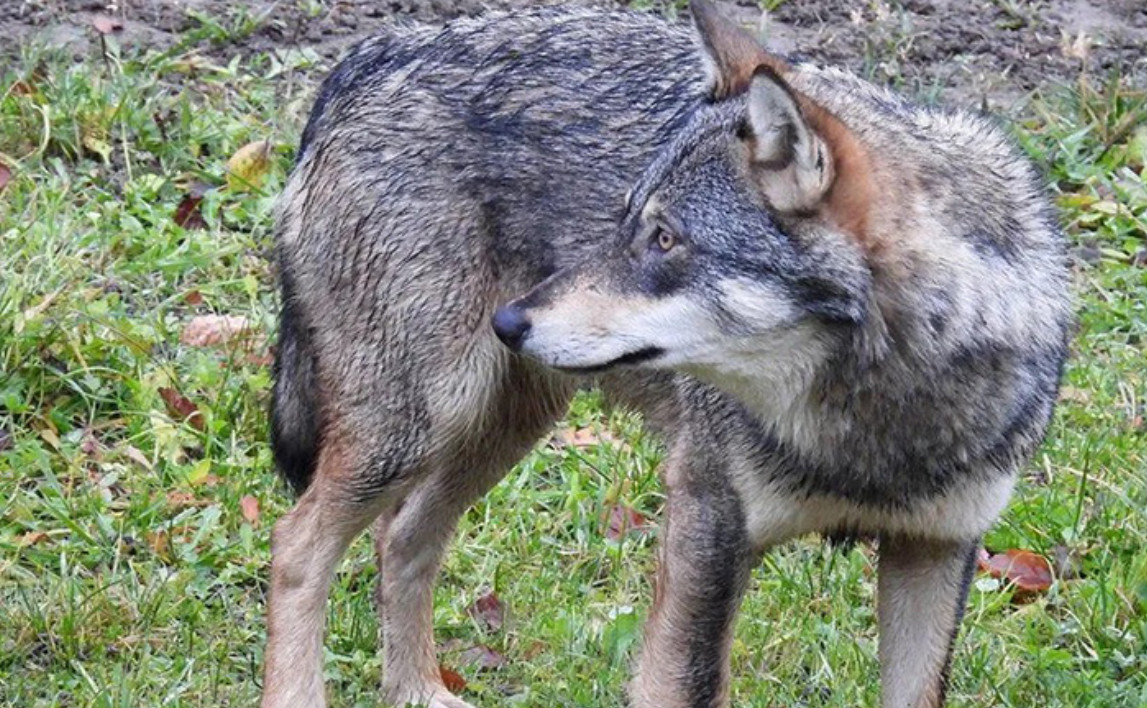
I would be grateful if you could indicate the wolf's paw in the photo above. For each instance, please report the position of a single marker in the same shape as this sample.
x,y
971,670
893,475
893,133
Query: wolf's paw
x,y
430,698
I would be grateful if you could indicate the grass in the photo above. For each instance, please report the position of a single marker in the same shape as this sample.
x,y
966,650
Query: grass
x,y
129,575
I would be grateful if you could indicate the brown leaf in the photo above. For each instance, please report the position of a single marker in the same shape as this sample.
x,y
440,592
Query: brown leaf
x,y
182,409
623,520
488,611
1028,571
5,176
5,440
482,657
157,541
193,297
31,538
452,679
182,500
187,213
213,330
23,88
106,25
249,507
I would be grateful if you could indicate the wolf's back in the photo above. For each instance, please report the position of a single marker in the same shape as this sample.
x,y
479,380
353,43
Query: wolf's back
x,y
532,124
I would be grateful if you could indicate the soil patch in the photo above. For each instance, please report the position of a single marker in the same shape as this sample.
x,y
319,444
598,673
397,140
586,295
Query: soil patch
x,y
966,51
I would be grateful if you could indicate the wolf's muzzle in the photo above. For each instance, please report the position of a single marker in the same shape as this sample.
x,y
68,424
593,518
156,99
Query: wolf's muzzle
x,y
511,325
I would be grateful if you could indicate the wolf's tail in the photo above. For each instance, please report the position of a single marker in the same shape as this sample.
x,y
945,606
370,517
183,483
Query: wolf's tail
x,y
296,427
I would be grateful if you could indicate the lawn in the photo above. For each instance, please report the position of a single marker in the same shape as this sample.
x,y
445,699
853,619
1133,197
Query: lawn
x,y
137,491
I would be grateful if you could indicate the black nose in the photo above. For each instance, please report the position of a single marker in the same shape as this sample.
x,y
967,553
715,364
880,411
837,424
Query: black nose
x,y
511,326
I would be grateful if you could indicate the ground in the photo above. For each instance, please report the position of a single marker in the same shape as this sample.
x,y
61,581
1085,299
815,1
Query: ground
x,y
136,487
959,49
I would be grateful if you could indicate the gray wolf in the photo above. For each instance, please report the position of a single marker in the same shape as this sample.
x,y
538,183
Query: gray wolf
x,y
846,313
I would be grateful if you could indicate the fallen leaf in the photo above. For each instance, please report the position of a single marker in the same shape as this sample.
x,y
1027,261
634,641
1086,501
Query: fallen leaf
x,y
160,543
31,538
5,440
249,166
5,176
187,213
106,25
249,507
623,520
97,146
89,445
452,679
1074,395
213,330
488,611
581,437
1029,572
182,409
482,657
23,88
179,499
193,297
134,454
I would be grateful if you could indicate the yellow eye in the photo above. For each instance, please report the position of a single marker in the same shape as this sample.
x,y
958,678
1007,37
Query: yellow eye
x,y
665,240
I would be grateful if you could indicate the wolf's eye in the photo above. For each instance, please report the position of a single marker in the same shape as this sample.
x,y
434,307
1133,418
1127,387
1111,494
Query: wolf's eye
x,y
665,240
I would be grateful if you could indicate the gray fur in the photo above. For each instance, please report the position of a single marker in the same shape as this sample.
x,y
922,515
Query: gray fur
x,y
881,376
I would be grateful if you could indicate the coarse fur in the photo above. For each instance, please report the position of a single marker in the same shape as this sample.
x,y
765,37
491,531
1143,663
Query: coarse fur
x,y
845,313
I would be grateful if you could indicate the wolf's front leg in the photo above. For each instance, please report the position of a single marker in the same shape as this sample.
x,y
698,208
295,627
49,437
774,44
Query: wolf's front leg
x,y
705,561
923,587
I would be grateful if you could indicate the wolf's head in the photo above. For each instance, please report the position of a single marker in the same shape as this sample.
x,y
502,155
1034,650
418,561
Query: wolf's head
x,y
743,243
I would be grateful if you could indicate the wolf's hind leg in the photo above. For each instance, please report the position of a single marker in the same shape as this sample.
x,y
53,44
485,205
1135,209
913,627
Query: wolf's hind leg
x,y
306,547
411,542
923,586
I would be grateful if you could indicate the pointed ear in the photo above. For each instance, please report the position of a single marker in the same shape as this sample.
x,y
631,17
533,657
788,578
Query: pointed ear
x,y
804,159
731,53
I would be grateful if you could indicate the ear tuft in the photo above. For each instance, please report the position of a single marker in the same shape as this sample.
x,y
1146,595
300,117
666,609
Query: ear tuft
x,y
732,53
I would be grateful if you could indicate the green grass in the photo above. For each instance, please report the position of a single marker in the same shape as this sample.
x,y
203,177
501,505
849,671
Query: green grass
x,y
129,577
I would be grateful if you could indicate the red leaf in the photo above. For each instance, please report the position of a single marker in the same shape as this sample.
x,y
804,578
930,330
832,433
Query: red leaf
x,y
249,507
106,25
488,611
623,520
5,176
182,409
187,214
1028,571
483,658
452,679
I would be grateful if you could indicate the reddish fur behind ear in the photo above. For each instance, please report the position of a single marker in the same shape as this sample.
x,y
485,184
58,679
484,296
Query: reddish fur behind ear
x,y
734,51
852,193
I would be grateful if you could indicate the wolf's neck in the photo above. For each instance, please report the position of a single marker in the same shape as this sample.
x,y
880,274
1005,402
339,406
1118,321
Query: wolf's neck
x,y
774,381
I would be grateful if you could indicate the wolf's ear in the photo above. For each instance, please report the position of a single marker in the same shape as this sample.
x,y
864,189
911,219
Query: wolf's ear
x,y
731,54
805,160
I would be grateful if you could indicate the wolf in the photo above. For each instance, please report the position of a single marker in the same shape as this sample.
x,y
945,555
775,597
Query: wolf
x,y
845,313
